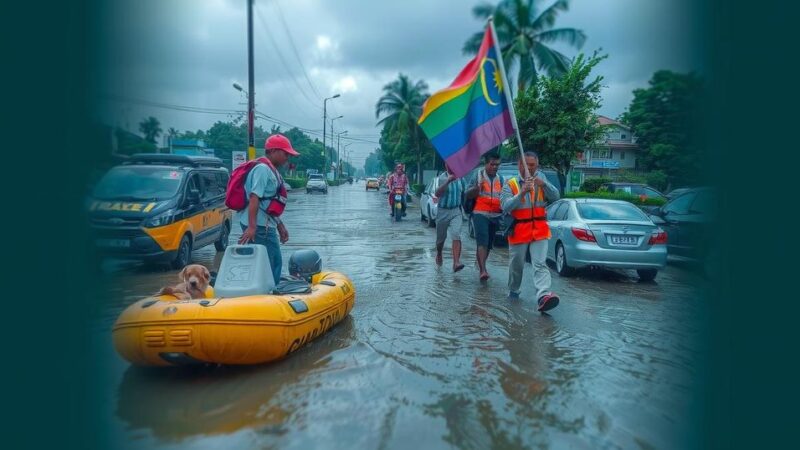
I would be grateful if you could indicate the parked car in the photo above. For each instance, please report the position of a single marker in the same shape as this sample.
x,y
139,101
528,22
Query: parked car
x,y
641,190
688,221
428,202
316,182
676,192
373,183
604,233
160,207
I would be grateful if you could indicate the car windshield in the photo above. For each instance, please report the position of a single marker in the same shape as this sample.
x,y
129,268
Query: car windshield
x,y
138,183
315,177
610,211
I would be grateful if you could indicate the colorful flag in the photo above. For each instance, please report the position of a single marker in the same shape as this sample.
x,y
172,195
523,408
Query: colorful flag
x,y
471,116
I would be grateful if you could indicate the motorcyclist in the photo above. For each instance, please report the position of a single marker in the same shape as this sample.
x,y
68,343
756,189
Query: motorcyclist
x,y
398,180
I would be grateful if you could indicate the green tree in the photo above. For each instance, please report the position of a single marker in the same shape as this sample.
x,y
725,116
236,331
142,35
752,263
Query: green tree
x,y
664,118
398,110
557,115
524,35
151,128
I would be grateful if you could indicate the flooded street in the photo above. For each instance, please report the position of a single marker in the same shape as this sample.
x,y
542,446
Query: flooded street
x,y
428,358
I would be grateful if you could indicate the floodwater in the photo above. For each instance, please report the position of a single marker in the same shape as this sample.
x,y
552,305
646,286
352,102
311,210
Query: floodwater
x,y
428,358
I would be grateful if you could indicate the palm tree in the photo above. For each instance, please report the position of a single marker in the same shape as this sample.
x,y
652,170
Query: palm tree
x,y
524,36
401,106
151,128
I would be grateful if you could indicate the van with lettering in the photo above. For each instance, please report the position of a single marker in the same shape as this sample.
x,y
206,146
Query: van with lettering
x,y
160,207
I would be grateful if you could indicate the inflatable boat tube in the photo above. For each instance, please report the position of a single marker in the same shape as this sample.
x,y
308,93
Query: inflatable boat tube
x,y
165,331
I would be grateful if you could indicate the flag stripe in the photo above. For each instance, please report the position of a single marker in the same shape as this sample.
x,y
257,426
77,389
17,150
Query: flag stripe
x,y
467,76
440,98
451,112
457,135
487,136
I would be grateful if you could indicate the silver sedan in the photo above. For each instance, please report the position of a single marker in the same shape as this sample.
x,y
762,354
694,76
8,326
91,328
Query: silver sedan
x,y
604,233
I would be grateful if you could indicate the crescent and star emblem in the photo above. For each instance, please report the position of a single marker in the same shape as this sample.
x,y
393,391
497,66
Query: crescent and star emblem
x,y
496,78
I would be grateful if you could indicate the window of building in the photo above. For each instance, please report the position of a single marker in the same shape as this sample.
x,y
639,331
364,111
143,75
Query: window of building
x,y
623,137
603,153
621,155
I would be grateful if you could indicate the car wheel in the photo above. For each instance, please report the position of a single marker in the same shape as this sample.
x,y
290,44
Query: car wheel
x,y
431,223
222,243
562,267
184,255
647,274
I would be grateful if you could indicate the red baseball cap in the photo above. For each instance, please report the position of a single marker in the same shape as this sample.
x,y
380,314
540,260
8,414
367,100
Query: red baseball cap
x,y
279,141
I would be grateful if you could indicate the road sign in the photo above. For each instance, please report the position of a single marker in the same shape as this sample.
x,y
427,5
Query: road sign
x,y
238,158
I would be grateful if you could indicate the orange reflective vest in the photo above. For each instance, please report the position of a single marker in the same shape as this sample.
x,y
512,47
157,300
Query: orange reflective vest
x,y
489,196
531,220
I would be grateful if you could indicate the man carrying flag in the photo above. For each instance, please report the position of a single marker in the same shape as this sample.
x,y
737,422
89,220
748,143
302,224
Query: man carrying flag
x,y
474,115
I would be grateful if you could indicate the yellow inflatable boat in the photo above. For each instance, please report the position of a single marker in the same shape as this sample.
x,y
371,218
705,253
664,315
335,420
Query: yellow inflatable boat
x,y
163,331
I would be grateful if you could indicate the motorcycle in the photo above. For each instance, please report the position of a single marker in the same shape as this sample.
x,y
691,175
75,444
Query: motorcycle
x,y
398,203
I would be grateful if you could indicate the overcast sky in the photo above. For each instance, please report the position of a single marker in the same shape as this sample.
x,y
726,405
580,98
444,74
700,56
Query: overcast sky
x,y
190,52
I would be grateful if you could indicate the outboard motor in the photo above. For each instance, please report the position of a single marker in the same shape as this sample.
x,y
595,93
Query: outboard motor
x,y
305,264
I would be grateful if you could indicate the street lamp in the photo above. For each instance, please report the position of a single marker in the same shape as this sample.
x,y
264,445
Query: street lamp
x,y
347,153
338,153
326,158
324,124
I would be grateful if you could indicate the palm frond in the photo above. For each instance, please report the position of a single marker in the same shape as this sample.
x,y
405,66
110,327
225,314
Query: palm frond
x,y
548,17
551,61
572,36
472,44
483,10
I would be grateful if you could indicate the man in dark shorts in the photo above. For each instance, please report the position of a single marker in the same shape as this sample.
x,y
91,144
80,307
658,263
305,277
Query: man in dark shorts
x,y
485,188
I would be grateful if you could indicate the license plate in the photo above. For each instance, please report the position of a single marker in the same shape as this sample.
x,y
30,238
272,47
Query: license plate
x,y
624,240
113,243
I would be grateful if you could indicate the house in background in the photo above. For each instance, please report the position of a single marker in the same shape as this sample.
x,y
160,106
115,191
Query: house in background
x,y
192,147
617,151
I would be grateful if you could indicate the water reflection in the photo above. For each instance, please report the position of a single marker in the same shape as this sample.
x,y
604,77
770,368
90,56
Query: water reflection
x,y
177,403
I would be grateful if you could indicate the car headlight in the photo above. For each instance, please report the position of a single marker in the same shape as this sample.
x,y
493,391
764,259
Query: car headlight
x,y
160,220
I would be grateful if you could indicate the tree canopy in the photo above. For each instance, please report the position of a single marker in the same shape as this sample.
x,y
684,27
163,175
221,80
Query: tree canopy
x,y
151,128
664,118
524,33
398,110
556,115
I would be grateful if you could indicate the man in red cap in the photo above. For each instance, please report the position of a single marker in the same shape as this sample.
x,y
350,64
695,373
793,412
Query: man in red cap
x,y
262,187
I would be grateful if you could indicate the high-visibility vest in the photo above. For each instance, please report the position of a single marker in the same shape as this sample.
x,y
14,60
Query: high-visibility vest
x,y
531,220
489,196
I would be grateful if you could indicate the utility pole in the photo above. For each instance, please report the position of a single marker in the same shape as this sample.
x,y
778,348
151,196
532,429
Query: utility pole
x,y
251,92
324,125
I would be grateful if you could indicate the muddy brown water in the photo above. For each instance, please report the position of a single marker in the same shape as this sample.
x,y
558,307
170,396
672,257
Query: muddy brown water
x,y
427,358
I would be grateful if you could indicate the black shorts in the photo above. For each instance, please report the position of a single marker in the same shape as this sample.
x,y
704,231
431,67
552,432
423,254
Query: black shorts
x,y
485,229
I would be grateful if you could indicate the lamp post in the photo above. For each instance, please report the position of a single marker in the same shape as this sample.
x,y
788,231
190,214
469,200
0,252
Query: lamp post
x,y
324,123
332,134
347,153
251,101
338,152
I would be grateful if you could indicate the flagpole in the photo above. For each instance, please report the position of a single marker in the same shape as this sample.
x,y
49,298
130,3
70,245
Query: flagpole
x,y
508,94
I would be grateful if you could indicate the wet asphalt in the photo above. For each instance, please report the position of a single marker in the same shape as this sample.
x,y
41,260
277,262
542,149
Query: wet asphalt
x,y
428,358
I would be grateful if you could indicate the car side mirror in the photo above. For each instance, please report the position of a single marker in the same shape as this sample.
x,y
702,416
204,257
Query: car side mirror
x,y
193,196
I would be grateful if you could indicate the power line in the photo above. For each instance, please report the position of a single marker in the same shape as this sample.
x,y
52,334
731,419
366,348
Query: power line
x,y
294,48
285,64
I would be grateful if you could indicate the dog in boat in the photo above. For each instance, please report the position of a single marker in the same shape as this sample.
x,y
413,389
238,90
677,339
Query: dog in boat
x,y
194,282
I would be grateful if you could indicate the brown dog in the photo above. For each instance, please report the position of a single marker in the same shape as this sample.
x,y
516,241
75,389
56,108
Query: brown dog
x,y
194,281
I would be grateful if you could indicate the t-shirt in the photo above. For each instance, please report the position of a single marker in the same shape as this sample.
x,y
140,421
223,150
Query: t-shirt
x,y
260,181
451,198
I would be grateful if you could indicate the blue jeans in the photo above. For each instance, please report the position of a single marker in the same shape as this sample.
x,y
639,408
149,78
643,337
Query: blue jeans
x,y
269,239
